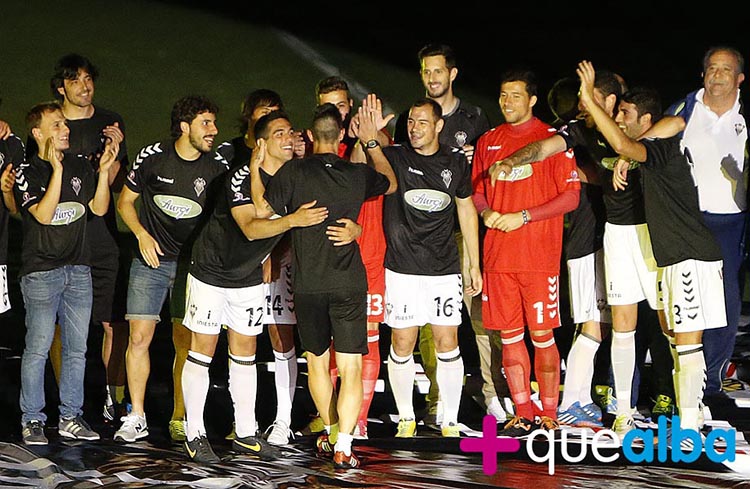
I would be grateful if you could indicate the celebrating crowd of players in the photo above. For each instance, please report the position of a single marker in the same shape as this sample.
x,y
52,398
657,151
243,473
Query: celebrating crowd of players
x,y
344,227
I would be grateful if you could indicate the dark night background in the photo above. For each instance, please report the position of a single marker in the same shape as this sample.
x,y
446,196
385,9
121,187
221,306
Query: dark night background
x,y
660,44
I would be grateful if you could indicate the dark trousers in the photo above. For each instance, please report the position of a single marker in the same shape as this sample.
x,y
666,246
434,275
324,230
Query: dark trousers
x,y
718,343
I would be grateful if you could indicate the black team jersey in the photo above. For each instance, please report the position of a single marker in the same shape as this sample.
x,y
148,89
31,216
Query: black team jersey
x,y
222,254
63,242
174,193
462,126
675,221
624,207
11,152
419,219
342,187
87,140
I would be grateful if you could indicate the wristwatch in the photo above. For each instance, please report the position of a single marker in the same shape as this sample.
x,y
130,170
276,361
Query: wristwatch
x,y
372,143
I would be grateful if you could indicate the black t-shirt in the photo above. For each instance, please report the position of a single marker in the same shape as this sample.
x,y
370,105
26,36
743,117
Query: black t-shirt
x,y
342,187
174,193
11,152
63,241
87,140
222,254
624,207
462,126
675,221
419,219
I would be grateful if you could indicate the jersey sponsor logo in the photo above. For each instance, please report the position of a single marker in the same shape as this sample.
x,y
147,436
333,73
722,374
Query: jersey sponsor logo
x,y
177,207
199,185
574,177
428,200
75,182
461,138
521,172
414,170
494,147
162,179
67,213
447,177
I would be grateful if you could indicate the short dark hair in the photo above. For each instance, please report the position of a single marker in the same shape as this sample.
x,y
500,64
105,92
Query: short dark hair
x,y
262,97
437,49
261,125
331,84
524,75
437,110
734,52
34,115
646,100
67,68
608,83
187,109
327,123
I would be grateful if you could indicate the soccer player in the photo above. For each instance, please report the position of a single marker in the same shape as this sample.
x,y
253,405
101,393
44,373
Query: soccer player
x,y
174,177
423,282
225,286
463,124
56,191
12,156
523,212
688,255
73,85
330,282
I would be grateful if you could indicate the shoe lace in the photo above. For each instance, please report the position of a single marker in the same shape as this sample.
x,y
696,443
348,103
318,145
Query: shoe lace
x,y
548,423
517,421
129,421
280,428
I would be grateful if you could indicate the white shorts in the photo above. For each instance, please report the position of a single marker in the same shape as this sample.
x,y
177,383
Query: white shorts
x,y
692,295
415,300
4,292
588,299
280,298
207,308
629,265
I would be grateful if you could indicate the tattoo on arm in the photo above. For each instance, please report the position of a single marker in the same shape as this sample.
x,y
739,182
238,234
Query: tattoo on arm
x,y
527,154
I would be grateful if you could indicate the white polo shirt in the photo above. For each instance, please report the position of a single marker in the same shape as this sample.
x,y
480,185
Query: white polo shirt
x,y
717,151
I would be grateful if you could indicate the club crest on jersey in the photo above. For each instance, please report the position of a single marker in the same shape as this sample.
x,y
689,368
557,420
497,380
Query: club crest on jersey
x,y
177,207
428,200
738,128
199,184
67,213
75,182
461,138
447,177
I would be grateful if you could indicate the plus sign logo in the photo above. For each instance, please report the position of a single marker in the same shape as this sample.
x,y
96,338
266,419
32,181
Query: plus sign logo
x,y
489,445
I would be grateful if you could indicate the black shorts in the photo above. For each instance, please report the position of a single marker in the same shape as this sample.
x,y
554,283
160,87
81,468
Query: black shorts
x,y
109,280
340,314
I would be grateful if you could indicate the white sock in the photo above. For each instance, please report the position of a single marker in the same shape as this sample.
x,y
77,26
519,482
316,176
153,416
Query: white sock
x,y
243,386
195,382
623,368
401,374
285,377
580,370
344,444
691,378
450,379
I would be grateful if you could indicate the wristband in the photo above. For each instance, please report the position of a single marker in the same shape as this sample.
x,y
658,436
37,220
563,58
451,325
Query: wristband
x,y
525,216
